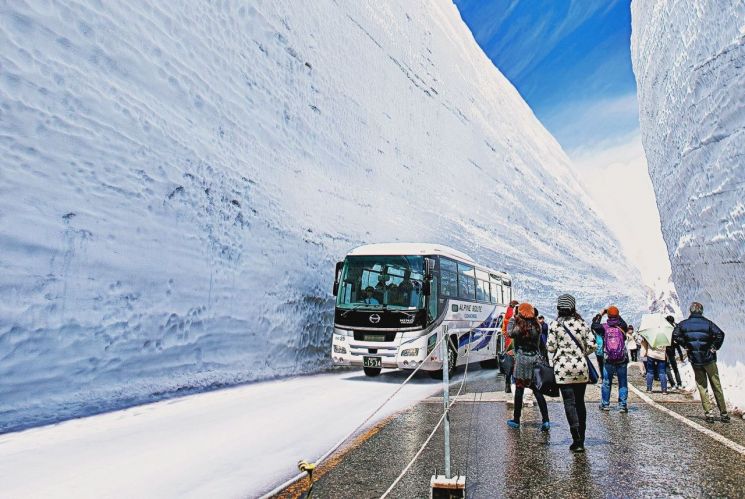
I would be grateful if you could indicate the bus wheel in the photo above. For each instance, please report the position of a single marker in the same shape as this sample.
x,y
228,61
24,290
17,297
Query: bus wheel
x,y
452,358
371,371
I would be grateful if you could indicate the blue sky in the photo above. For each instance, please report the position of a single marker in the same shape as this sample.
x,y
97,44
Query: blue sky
x,y
569,59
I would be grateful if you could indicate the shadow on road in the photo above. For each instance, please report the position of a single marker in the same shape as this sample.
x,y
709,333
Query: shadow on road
x,y
398,376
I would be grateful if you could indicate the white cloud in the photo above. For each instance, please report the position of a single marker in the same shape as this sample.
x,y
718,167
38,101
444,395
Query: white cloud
x,y
617,179
599,122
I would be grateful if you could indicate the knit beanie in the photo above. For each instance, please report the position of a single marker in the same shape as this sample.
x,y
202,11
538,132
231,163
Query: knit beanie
x,y
526,311
566,302
613,311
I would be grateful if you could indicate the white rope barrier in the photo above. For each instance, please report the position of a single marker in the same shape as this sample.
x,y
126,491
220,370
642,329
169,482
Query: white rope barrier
x,y
336,446
434,430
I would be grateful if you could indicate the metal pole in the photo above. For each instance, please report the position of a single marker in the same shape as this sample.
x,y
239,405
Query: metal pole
x,y
445,397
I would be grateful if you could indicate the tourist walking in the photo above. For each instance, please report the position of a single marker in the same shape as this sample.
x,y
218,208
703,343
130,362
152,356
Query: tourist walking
x,y
525,332
616,359
702,338
631,344
656,360
544,329
508,343
672,363
570,340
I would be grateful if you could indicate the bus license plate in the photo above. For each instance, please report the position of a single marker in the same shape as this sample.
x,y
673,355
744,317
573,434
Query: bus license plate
x,y
374,337
372,362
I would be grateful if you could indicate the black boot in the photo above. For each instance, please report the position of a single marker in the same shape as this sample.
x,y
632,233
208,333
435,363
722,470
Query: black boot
x,y
577,444
582,428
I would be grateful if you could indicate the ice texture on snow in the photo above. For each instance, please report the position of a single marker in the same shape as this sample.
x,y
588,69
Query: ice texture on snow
x,y
177,183
663,299
689,62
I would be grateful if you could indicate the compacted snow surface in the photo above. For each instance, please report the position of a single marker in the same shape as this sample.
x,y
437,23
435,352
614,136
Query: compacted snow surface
x,y
178,182
689,61
238,442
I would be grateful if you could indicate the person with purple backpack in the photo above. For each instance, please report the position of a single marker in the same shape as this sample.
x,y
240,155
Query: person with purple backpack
x,y
615,356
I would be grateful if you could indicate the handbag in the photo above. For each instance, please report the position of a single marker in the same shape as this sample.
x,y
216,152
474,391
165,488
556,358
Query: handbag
x,y
592,372
545,379
506,363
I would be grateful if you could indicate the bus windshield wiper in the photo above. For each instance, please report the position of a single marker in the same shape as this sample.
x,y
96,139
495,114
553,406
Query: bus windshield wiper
x,y
360,307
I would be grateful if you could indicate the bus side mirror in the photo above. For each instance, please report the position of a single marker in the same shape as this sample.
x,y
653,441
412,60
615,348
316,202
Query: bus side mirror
x,y
337,275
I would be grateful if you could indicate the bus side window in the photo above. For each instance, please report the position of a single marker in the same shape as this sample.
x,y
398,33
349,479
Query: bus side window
x,y
482,290
466,282
449,277
496,293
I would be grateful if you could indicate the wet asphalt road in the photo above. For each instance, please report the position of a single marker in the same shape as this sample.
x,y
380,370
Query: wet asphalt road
x,y
644,453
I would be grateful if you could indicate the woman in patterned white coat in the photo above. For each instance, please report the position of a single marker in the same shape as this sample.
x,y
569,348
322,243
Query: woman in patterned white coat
x,y
570,365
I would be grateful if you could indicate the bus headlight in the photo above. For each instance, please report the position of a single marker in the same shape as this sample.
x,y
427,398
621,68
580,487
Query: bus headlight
x,y
410,352
339,349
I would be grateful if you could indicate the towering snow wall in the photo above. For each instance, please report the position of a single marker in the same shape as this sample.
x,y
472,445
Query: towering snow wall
x,y
689,61
177,184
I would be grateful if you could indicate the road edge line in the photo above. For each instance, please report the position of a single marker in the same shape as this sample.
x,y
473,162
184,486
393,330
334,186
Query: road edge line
x,y
287,488
711,433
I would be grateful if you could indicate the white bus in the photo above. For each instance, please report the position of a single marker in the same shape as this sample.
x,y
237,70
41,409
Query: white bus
x,y
393,301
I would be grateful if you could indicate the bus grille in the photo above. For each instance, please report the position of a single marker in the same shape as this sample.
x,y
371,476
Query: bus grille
x,y
372,336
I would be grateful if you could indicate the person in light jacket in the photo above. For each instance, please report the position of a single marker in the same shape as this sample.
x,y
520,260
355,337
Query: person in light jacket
x,y
631,344
656,360
570,365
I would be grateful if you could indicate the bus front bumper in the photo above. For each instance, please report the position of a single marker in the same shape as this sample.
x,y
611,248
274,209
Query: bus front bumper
x,y
346,351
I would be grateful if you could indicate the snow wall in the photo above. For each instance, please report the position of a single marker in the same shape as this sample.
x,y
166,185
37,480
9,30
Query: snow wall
x,y
177,184
689,61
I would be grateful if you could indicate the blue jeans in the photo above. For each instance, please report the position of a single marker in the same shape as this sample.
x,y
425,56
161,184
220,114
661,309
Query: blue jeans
x,y
609,370
659,365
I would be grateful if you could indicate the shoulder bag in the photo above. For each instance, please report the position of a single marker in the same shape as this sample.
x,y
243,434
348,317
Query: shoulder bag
x,y
593,373
544,378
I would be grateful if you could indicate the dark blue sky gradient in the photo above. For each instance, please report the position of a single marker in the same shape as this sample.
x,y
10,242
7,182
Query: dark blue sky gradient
x,y
570,60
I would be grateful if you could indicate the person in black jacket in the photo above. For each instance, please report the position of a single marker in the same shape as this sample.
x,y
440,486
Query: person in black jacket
x,y
672,364
702,338
544,329
525,332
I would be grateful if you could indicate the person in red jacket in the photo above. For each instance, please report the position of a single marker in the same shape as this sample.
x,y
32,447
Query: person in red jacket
x,y
509,313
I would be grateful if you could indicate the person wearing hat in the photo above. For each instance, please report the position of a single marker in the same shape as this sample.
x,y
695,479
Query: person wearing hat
x,y
525,332
569,342
615,356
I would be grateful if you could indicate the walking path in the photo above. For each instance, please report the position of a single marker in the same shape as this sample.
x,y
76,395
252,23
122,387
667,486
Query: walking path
x,y
684,406
646,452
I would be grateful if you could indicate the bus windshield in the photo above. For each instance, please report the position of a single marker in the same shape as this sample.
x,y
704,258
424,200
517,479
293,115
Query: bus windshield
x,y
382,282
